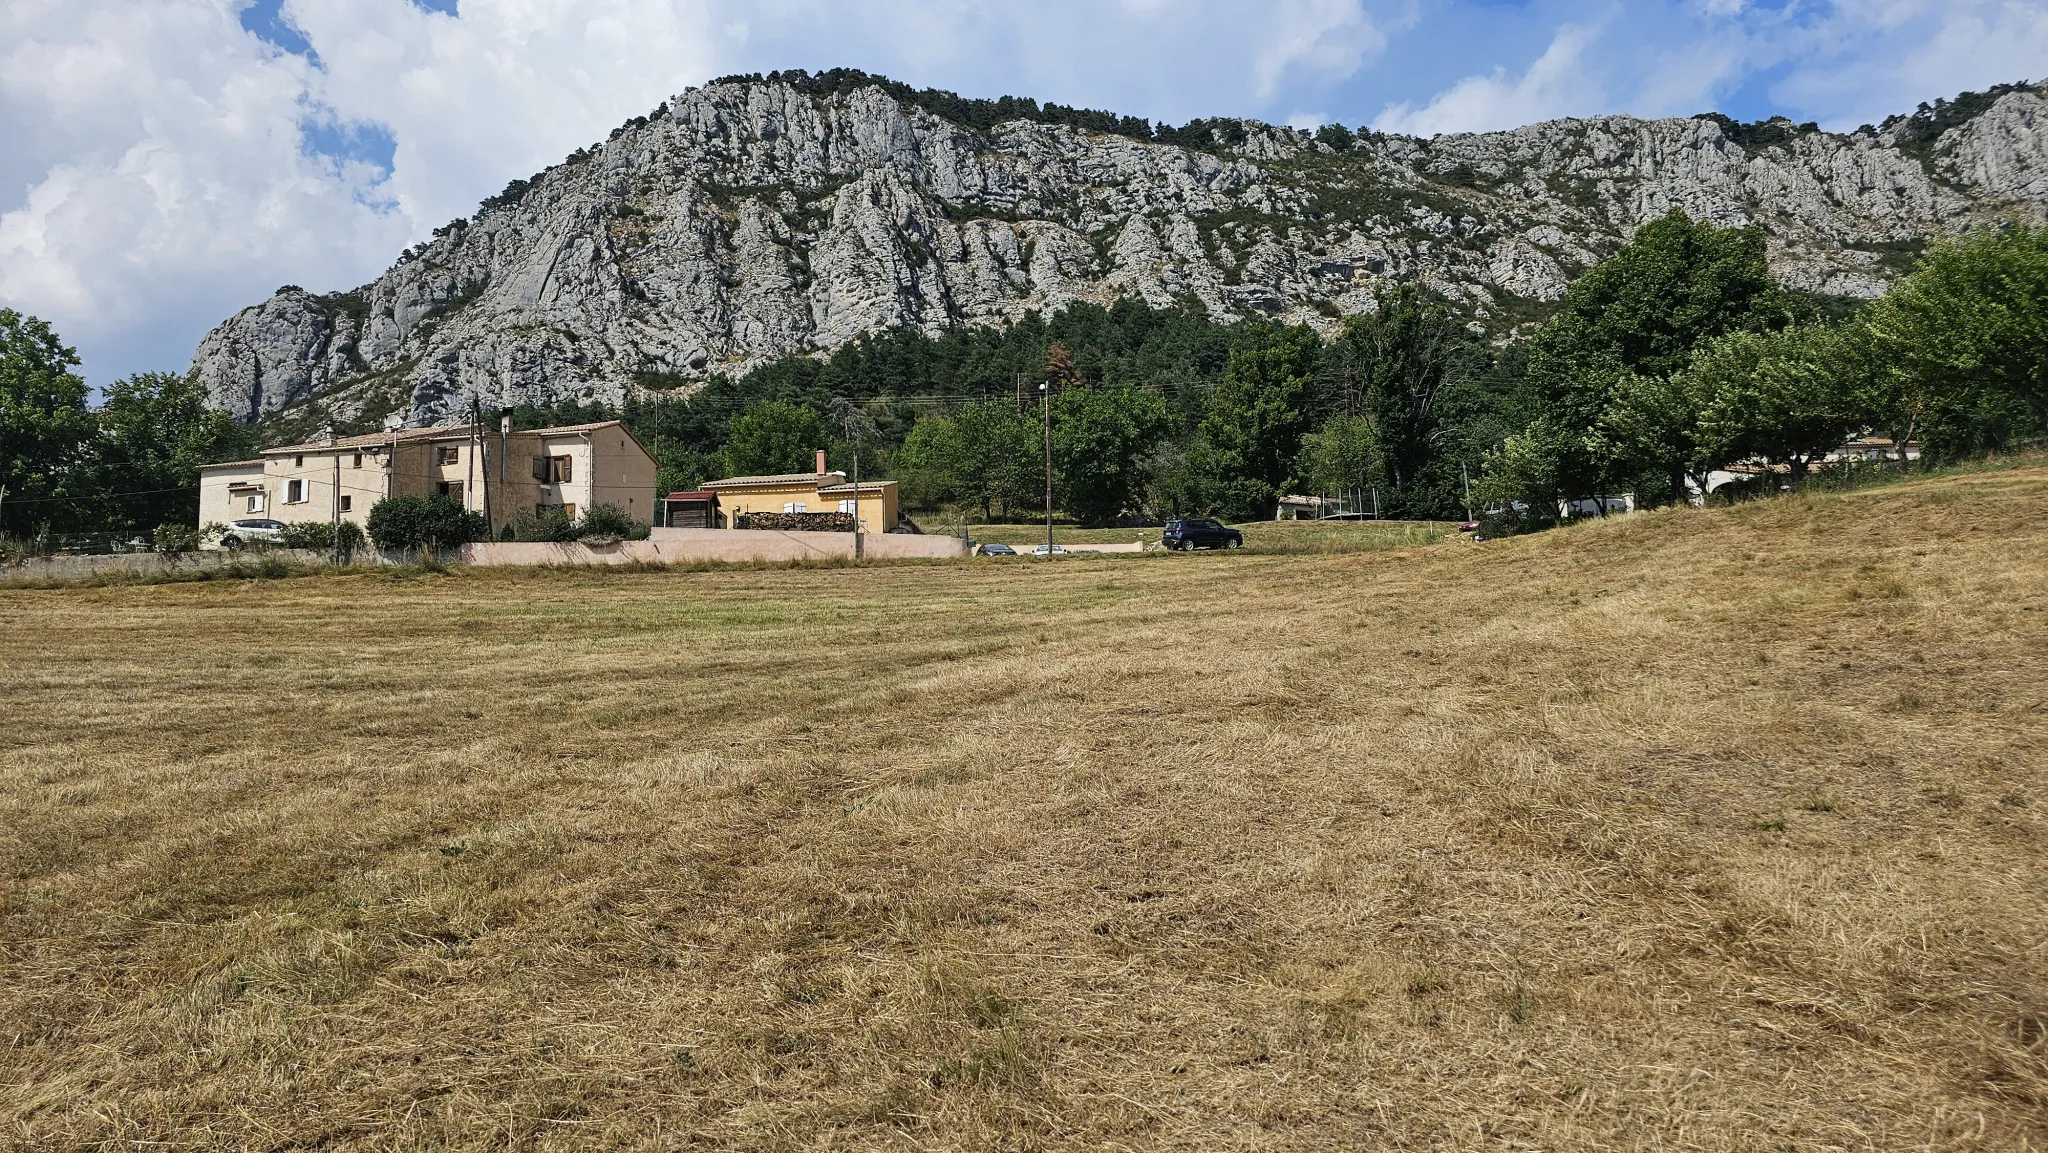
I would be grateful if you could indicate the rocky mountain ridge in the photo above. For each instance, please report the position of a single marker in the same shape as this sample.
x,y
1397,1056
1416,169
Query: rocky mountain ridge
x,y
753,218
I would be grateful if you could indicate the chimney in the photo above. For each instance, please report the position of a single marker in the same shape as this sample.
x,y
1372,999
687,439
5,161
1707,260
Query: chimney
x,y
821,462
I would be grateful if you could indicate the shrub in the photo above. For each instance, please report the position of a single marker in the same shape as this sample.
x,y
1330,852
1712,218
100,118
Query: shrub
x,y
551,527
315,536
606,520
176,538
424,522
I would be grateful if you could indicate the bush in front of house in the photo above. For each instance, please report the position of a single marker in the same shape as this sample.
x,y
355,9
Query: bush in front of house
x,y
176,538
345,538
425,522
550,527
609,520
602,522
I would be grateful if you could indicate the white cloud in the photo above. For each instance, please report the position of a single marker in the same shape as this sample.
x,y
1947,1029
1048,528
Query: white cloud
x,y
509,88
1325,37
1557,84
156,175
1868,59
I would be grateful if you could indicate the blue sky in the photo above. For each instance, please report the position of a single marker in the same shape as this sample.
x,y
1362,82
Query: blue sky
x,y
165,163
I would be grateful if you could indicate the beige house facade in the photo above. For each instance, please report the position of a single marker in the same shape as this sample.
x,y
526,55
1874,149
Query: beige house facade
x,y
873,502
497,472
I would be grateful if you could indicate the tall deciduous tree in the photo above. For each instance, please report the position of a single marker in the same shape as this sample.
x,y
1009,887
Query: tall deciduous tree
x,y
1601,366
1974,316
155,430
1259,413
1393,367
1101,440
1785,397
45,429
772,438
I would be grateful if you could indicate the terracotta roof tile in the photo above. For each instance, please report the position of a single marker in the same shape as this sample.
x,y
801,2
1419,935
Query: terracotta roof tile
x,y
778,479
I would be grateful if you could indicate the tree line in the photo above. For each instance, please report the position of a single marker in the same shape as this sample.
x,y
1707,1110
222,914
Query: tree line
x,y
1663,366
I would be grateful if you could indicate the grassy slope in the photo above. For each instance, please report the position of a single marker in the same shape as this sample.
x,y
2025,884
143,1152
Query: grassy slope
x,y
1709,830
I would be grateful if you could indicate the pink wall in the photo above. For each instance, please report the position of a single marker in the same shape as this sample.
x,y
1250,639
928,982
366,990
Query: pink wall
x,y
696,545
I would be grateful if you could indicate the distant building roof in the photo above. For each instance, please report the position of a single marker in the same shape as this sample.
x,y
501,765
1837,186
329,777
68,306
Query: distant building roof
x,y
864,486
778,480
695,495
257,463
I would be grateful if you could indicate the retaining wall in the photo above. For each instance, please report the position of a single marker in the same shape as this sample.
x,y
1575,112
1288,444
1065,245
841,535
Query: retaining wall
x,y
40,568
733,546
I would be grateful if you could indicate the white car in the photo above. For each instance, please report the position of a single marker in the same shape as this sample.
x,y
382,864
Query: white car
x,y
1041,550
255,530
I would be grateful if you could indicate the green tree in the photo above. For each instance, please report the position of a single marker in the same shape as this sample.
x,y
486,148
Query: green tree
x,y
1637,317
155,430
45,429
996,457
1785,397
1340,455
1258,414
774,437
1973,319
1101,441
1395,366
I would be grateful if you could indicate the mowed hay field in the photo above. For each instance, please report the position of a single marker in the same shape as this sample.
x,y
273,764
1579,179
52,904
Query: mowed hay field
x,y
1710,830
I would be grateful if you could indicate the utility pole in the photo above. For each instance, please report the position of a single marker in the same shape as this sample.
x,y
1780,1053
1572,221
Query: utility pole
x,y
334,506
1467,474
853,420
3,505
1045,404
474,441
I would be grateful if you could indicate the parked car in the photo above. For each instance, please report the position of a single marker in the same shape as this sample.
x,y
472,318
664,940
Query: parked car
x,y
255,530
1041,550
1188,533
997,548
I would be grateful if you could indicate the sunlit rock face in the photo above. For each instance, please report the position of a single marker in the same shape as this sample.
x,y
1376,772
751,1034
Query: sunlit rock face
x,y
747,221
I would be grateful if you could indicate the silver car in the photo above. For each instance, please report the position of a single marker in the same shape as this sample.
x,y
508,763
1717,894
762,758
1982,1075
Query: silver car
x,y
255,530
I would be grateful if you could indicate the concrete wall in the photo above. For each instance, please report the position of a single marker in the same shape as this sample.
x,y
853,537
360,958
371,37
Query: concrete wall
x,y
42,568
697,545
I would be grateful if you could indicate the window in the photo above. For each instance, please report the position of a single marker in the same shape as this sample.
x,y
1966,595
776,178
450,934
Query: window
x,y
552,469
450,488
794,506
358,464
298,462
347,502
295,492
448,454
255,502
849,506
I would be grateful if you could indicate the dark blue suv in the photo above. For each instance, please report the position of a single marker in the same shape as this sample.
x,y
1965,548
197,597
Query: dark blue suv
x,y
1188,533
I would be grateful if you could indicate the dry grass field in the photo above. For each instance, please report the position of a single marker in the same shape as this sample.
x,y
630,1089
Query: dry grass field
x,y
1696,830
1271,536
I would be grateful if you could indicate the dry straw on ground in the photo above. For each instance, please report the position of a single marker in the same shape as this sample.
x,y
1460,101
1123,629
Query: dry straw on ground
x,y
1717,831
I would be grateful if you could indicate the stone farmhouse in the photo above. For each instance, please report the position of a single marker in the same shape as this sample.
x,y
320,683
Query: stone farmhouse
x,y
496,472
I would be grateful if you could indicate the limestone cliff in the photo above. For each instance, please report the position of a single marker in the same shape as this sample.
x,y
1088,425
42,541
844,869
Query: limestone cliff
x,y
751,219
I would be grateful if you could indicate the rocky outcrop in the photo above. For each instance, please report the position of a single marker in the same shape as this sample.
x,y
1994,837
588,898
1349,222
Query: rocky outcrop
x,y
747,221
